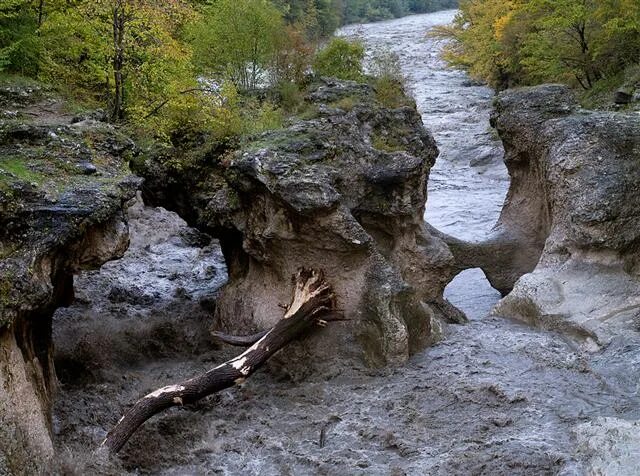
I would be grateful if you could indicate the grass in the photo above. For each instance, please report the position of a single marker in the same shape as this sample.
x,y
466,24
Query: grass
x,y
385,144
346,104
17,167
14,80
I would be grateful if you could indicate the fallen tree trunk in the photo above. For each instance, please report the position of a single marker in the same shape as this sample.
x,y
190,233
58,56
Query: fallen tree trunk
x,y
312,299
239,341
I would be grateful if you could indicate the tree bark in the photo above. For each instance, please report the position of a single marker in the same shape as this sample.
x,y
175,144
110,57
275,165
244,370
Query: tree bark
x,y
119,22
312,299
239,341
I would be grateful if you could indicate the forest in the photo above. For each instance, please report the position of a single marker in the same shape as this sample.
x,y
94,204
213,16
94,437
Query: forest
x,y
143,60
590,44
313,237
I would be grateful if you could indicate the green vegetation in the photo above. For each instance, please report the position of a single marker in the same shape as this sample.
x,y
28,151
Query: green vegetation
x,y
341,59
237,39
171,70
579,42
322,17
17,167
385,143
388,80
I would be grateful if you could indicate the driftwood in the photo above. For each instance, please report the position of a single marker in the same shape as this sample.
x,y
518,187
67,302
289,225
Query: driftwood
x,y
312,302
239,341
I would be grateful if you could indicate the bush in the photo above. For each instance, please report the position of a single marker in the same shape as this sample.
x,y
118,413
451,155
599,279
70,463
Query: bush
x,y
341,59
388,79
292,59
267,118
289,95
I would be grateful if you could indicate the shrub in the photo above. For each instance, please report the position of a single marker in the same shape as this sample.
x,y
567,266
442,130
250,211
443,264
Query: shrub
x,y
341,59
267,118
292,59
388,79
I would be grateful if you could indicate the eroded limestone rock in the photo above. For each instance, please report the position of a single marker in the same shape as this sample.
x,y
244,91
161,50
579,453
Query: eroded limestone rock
x,y
54,221
344,191
574,201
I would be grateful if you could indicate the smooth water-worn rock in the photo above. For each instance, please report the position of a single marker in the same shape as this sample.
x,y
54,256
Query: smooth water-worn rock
x,y
494,397
574,200
344,191
54,221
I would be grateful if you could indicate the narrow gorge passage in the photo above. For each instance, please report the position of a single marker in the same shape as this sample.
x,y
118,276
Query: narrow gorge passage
x,y
495,397
469,182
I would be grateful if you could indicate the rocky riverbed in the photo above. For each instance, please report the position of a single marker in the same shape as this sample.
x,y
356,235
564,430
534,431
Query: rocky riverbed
x,y
494,397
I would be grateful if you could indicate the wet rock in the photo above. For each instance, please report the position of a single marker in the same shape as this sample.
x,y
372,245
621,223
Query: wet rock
x,y
471,83
609,445
98,115
622,97
572,213
130,295
87,168
320,194
51,226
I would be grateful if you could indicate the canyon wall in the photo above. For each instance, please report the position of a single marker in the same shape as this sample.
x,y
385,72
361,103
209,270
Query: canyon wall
x,y
344,190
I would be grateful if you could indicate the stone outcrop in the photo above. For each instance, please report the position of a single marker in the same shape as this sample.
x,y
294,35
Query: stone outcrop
x,y
569,232
344,190
54,221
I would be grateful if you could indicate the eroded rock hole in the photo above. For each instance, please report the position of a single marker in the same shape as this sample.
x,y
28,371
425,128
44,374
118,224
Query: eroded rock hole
x,y
471,292
155,303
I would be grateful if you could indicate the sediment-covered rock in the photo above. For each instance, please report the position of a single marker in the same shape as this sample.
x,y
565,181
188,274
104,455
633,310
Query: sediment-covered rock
x,y
54,221
609,445
574,202
344,191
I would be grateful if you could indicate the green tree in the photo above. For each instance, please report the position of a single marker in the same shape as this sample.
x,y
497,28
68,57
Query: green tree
x,y
479,40
579,42
238,39
341,59
20,46
126,52
618,44
561,43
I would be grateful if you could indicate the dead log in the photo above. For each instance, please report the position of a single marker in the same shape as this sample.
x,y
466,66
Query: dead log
x,y
312,300
239,341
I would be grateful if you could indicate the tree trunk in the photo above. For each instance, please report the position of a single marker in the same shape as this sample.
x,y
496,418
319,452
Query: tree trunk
x,y
118,60
312,300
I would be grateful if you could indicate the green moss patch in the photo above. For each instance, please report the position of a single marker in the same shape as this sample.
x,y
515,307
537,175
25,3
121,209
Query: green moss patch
x,y
16,167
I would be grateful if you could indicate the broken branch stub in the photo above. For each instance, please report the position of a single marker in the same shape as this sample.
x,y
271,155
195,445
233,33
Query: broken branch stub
x,y
312,299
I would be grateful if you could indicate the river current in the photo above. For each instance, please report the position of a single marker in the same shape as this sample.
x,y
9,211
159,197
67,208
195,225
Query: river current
x,y
494,397
468,184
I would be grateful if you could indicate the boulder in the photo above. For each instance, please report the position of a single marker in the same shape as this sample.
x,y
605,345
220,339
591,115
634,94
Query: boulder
x,y
623,97
570,228
344,191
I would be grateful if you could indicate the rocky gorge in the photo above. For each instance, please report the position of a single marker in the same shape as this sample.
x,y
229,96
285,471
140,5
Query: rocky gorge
x,y
347,189
405,385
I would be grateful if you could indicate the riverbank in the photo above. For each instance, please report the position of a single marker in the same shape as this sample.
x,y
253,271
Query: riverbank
x,y
494,397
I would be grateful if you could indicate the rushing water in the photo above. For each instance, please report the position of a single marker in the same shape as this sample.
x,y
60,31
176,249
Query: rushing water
x,y
468,184
495,397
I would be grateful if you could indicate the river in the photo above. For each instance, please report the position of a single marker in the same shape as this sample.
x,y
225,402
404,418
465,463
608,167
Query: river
x,y
495,397
469,182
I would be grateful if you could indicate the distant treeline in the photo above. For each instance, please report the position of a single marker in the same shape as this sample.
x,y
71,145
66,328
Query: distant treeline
x,y
333,13
357,11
